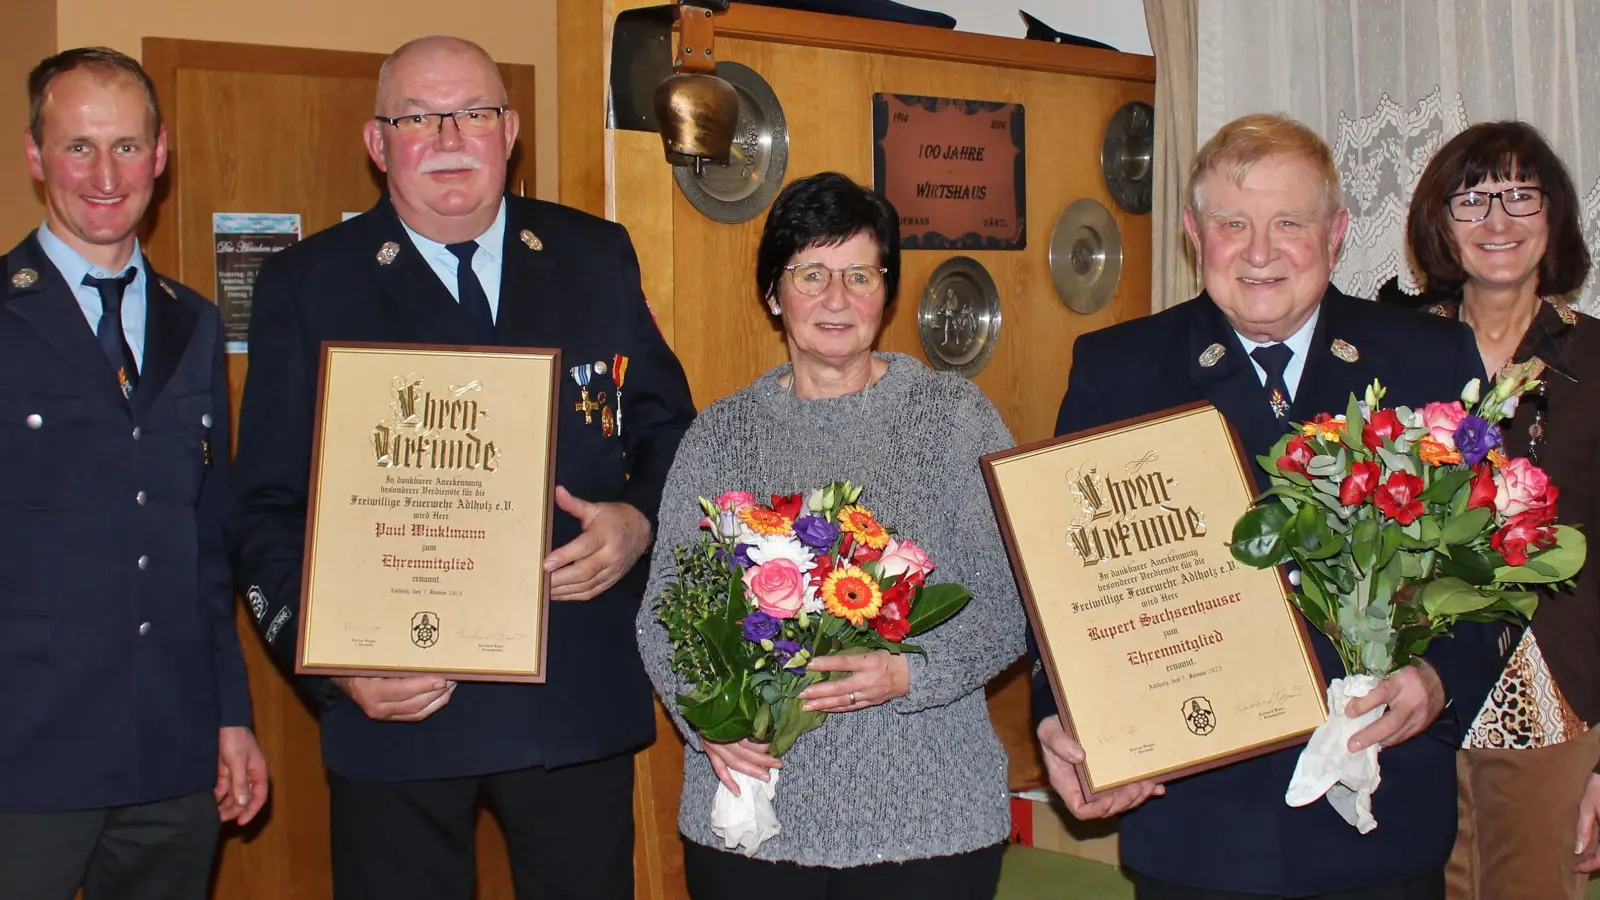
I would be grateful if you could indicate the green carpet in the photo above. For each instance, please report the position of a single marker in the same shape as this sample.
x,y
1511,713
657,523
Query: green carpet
x,y
1030,874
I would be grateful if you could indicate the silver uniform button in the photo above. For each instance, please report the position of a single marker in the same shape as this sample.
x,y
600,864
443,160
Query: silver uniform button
x,y
144,563
139,498
206,420
35,420
144,628
136,432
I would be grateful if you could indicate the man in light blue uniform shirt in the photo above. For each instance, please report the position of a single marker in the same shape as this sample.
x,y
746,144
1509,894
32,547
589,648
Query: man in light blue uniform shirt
x,y
127,735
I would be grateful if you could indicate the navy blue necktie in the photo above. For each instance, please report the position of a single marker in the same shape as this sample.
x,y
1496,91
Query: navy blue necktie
x,y
109,331
471,293
1274,360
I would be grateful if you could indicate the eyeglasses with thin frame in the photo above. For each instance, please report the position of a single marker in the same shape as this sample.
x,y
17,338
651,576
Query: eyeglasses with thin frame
x,y
1474,206
812,279
474,122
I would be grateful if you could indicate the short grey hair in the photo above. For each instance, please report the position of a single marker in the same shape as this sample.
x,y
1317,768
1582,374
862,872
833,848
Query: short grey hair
x,y
416,44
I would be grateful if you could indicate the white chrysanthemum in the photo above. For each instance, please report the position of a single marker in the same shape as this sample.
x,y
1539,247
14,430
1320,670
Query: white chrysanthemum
x,y
811,603
767,547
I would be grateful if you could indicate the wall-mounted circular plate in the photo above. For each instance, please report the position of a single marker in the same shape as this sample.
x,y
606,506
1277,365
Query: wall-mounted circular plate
x,y
1086,256
744,187
959,316
1127,154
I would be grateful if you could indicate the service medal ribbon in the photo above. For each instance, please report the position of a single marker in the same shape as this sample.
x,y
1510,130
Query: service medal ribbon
x,y
619,371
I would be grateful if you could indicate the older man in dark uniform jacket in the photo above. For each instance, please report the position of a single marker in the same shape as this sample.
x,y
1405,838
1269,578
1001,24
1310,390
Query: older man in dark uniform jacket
x,y
127,729
1269,343
447,258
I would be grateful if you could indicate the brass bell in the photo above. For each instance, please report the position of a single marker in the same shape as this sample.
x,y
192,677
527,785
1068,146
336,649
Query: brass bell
x,y
696,110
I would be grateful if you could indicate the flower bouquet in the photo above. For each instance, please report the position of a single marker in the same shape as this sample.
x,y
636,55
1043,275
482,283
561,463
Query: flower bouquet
x,y
1400,523
765,589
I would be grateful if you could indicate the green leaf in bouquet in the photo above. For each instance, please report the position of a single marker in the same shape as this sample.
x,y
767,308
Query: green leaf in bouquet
x,y
1523,603
1449,596
1310,536
1562,561
1444,486
935,604
1397,462
1464,528
1364,543
1325,465
1312,598
1353,426
709,705
1468,564
1258,537
1389,541
761,725
734,728
793,720
1338,572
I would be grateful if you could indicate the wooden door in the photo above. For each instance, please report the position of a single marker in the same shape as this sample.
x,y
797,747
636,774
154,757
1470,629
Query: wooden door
x,y
278,130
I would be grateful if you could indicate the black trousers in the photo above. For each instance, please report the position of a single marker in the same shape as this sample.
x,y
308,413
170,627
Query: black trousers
x,y
148,851
719,875
1423,887
569,833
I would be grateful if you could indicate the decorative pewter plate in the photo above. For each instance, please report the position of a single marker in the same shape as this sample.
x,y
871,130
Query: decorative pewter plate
x,y
959,316
1086,256
742,189
1127,154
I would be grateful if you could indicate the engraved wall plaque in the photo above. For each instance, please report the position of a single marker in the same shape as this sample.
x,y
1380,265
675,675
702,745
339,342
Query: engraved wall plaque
x,y
959,316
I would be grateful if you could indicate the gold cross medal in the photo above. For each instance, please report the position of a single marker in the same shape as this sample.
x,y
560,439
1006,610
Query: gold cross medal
x,y
582,375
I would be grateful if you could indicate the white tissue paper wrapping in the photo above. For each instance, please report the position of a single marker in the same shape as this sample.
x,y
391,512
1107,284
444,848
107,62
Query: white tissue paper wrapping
x,y
743,822
1326,765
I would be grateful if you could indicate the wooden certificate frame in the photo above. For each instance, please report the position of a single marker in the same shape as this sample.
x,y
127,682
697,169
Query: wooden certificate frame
x,y
1165,655
430,512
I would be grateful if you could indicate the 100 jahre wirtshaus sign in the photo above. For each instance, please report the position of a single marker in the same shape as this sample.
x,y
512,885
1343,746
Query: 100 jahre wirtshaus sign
x,y
953,170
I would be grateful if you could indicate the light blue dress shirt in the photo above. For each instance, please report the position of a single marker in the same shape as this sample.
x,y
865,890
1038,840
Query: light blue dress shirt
x,y
73,267
1299,343
486,262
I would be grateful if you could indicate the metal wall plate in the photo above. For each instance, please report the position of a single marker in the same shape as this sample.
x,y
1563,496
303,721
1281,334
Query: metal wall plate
x,y
959,316
1127,155
1086,256
742,189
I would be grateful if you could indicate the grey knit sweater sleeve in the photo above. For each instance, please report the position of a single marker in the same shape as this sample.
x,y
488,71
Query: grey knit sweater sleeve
x,y
968,650
923,775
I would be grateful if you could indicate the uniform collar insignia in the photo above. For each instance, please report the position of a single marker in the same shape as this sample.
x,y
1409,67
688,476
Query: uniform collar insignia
x,y
1345,350
24,278
388,252
1212,355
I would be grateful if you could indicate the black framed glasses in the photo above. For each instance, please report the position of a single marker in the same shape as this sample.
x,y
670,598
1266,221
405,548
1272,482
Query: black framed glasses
x,y
1474,206
474,122
812,279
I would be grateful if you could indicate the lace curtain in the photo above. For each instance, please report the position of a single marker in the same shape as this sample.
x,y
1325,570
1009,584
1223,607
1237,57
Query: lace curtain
x,y
1386,82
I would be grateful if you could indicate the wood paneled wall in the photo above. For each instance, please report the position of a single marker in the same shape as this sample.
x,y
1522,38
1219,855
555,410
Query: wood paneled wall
x,y
699,275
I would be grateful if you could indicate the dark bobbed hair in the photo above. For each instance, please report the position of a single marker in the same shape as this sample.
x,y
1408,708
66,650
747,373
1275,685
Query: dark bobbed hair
x,y
102,60
825,210
1496,151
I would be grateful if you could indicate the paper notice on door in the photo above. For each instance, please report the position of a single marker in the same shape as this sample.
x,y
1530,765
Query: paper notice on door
x,y
243,241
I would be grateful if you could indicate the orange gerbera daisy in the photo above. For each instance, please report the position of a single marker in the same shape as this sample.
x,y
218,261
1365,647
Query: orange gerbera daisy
x,y
1435,453
1324,426
764,521
858,520
852,594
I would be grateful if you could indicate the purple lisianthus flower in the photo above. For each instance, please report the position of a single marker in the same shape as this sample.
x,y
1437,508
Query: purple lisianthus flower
x,y
758,627
741,556
816,532
788,649
1475,437
722,556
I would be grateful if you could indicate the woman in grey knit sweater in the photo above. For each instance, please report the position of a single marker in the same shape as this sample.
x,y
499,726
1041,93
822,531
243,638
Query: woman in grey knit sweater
x,y
903,789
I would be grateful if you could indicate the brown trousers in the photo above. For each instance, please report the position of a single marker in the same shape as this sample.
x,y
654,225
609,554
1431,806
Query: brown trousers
x,y
1519,820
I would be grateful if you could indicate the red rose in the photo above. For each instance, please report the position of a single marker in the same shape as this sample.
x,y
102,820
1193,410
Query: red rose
x,y
893,619
1484,489
1359,484
789,506
1385,425
1397,498
821,569
864,554
1528,529
1296,455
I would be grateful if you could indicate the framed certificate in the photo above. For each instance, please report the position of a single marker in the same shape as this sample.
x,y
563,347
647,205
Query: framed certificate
x,y
1166,656
430,508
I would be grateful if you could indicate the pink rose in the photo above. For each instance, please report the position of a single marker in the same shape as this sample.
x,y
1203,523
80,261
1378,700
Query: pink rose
x,y
733,501
1442,419
778,586
1520,486
904,558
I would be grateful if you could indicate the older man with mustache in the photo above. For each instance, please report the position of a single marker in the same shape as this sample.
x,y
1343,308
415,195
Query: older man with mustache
x,y
448,257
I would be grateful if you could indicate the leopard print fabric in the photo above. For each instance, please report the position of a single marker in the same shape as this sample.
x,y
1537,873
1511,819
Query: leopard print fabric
x,y
1525,709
